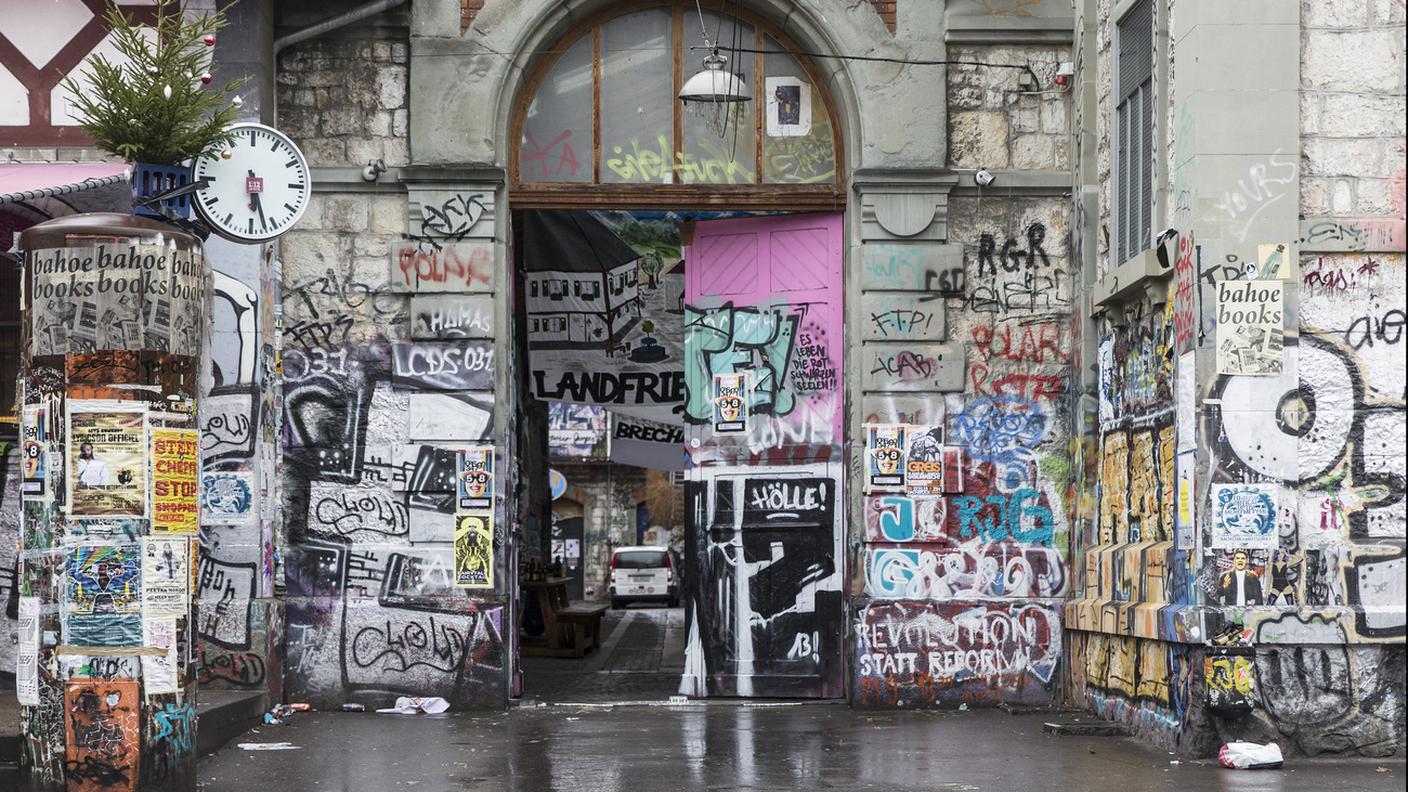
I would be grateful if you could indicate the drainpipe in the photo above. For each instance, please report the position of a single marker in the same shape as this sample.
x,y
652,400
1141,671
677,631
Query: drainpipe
x,y
326,26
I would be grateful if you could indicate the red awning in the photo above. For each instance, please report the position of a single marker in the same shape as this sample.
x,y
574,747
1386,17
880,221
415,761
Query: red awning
x,y
23,181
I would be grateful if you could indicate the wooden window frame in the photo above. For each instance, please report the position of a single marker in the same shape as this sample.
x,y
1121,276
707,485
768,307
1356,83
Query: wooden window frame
x,y
625,195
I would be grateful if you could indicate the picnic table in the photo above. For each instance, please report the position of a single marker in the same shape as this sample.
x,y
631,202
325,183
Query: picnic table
x,y
570,630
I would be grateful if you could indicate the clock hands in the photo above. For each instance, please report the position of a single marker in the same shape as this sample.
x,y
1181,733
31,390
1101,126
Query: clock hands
x,y
254,200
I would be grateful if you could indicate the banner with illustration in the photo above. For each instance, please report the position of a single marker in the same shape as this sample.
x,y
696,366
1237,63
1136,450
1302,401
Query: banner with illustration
x,y
116,295
474,550
175,480
605,303
107,474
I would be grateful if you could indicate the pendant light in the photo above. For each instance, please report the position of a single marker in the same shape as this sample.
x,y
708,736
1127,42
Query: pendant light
x,y
715,84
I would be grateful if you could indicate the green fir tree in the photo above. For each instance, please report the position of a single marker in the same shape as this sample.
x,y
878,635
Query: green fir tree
x,y
158,106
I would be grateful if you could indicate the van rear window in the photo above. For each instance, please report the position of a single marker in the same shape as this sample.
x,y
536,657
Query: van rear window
x,y
640,559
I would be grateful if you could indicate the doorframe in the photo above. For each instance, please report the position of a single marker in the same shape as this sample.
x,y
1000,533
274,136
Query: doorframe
x,y
510,298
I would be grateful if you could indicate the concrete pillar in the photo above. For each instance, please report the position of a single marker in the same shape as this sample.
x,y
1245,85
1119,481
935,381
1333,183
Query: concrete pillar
x,y
114,314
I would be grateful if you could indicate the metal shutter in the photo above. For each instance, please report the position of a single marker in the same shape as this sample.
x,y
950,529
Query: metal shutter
x,y
1134,134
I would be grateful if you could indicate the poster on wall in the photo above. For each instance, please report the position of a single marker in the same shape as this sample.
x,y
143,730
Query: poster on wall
x,y
474,550
884,457
27,657
604,294
159,671
34,460
103,578
165,576
1186,404
1241,578
474,477
1185,466
924,461
175,480
1249,327
1244,515
108,462
730,400
789,107
226,497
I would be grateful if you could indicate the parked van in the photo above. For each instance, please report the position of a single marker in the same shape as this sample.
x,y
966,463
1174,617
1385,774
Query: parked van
x,y
643,574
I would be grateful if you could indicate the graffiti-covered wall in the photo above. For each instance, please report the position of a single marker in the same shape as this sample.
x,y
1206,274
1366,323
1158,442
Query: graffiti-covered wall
x,y
959,571
1241,570
389,365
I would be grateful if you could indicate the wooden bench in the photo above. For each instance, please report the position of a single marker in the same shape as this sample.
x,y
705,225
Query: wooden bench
x,y
588,615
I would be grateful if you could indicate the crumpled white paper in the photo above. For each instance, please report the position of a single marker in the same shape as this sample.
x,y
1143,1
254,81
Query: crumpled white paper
x,y
410,705
1250,756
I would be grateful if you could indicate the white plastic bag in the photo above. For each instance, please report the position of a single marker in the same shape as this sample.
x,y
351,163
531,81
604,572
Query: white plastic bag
x,y
408,705
1250,756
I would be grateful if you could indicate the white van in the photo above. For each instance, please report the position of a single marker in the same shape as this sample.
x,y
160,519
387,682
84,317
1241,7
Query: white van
x,y
640,574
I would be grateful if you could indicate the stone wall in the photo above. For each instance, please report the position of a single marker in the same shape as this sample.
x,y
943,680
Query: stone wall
x,y
373,609
1166,638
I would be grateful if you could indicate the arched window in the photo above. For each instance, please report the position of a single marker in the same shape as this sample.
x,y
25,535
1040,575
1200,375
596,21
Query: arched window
x,y
600,122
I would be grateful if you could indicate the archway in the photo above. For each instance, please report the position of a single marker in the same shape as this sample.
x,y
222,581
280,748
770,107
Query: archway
x,y
617,191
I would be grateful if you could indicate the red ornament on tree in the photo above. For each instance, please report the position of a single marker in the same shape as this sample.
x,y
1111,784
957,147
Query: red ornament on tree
x,y
206,78
209,40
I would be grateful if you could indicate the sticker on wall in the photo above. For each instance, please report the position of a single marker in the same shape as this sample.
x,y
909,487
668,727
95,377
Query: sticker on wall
x,y
1249,327
1185,466
730,399
165,576
557,483
34,437
1272,262
474,551
226,497
1244,515
924,461
789,107
474,474
159,671
27,657
175,480
884,457
108,463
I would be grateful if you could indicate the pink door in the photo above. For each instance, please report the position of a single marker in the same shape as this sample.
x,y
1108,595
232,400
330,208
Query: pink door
x,y
764,415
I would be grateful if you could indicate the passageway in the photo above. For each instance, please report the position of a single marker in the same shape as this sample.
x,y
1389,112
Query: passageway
x,y
640,659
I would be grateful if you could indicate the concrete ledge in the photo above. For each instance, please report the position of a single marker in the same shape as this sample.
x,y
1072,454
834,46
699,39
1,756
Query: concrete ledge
x,y
222,715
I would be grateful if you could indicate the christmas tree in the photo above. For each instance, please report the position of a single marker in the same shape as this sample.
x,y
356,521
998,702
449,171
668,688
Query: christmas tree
x,y
156,105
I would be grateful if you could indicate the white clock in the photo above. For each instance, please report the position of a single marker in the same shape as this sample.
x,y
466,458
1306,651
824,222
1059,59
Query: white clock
x,y
258,185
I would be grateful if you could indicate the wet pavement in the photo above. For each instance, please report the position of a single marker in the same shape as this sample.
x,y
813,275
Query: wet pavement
x,y
641,659
732,746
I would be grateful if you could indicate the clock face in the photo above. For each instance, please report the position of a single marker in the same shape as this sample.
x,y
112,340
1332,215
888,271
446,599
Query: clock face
x,y
258,186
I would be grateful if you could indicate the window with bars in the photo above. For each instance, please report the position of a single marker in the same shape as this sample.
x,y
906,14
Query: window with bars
x,y
1134,130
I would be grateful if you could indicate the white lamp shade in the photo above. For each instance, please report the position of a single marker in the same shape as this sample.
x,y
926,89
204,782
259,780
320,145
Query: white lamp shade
x,y
714,84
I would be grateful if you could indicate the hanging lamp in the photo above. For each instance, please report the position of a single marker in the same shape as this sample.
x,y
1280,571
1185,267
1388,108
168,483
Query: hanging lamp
x,y
715,84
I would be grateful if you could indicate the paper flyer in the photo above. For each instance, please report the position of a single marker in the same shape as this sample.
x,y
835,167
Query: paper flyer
x,y
474,551
730,401
27,659
924,461
1244,516
34,437
165,576
159,671
1249,327
474,477
175,480
884,457
108,462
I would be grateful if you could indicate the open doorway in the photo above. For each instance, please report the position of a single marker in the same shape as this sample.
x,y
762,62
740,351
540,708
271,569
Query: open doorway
x,y
688,364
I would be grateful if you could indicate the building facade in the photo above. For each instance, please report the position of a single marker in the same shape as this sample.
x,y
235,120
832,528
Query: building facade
x,y
1135,270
